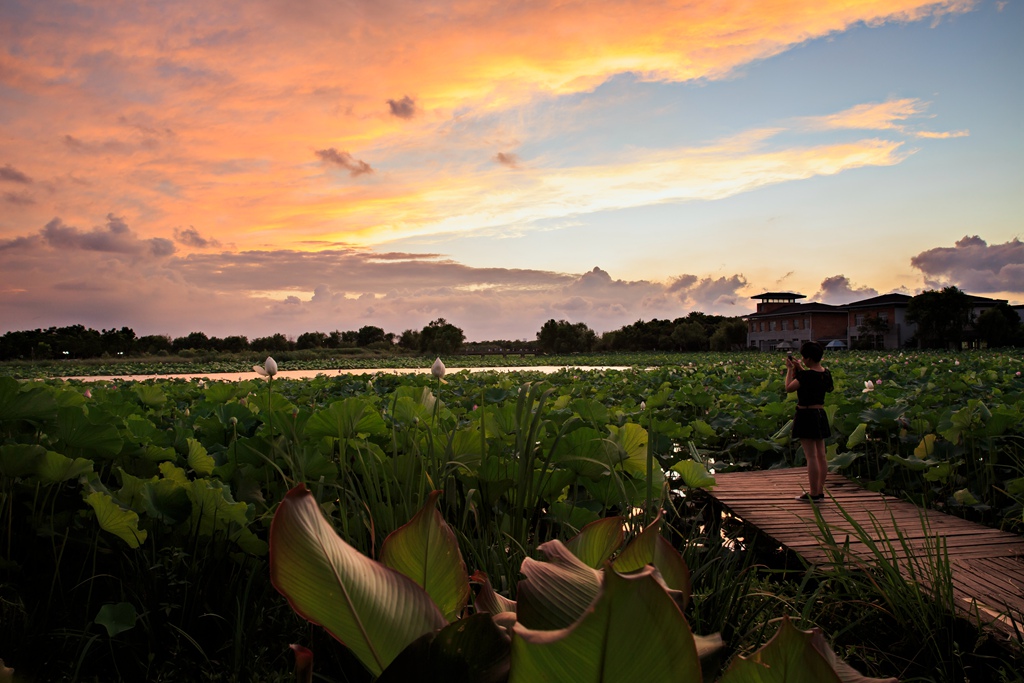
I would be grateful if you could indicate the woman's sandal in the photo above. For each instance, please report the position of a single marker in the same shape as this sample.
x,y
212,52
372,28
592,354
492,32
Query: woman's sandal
x,y
808,498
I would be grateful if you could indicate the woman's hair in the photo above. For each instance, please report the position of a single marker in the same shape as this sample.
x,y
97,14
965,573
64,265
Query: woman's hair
x,y
812,351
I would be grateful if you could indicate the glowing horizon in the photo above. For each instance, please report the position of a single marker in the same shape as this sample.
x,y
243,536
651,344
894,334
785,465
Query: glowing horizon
x,y
252,167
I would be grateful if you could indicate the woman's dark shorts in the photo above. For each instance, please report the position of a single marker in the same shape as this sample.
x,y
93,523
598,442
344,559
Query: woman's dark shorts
x,y
811,423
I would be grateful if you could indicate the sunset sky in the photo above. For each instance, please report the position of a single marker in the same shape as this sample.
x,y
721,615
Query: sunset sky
x,y
261,166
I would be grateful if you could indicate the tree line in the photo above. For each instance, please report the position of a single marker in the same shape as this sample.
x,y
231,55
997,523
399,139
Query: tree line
x,y
944,318
696,332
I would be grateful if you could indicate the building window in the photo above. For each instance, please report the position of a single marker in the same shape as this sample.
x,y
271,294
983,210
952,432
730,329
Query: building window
x,y
859,320
798,324
785,324
807,323
883,318
760,326
771,325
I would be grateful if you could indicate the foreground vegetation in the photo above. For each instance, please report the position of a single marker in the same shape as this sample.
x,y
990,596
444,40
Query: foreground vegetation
x,y
135,516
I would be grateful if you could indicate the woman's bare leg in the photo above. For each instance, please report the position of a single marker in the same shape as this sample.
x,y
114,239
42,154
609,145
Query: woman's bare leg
x,y
817,468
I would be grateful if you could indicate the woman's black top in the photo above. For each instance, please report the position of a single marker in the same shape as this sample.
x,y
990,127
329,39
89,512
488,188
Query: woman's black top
x,y
812,423
813,386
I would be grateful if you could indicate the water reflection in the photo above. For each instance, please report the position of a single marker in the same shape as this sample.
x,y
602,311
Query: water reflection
x,y
307,374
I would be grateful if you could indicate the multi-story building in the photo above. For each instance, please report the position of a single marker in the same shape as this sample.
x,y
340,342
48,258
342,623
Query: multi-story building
x,y
877,322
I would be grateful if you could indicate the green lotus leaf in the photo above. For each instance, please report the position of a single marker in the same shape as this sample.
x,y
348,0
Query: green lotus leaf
x,y
349,418
54,468
151,395
20,460
374,610
77,434
694,475
25,402
590,410
114,519
587,452
117,617
425,549
198,459
858,436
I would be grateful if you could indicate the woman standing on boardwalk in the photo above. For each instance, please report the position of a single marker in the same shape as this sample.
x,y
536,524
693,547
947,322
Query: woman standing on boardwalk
x,y
810,424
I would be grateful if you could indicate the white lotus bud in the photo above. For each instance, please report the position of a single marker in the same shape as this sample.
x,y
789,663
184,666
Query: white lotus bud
x,y
437,369
268,369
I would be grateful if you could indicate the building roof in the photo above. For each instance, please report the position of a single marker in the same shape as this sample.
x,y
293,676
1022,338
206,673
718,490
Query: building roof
x,y
792,296
798,309
893,299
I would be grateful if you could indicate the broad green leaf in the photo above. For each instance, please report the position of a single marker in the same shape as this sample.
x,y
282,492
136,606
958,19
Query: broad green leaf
x,y
590,410
117,617
587,452
965,497
426,550
632,441
198,459
694,475
20,460
794,656
596,542
374,610
1015,487
349,418
213,509
77,434
55,468
112,518
703,428
858,436
633,632
25,401
151,395
926,447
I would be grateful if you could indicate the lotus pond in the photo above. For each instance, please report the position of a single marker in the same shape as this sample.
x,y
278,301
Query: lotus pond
x,y
136,515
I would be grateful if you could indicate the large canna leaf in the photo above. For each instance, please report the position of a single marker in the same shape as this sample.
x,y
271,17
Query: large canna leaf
x,y
634,632
650,547
426,550
374,610
473,650
596,542
794,656
555,593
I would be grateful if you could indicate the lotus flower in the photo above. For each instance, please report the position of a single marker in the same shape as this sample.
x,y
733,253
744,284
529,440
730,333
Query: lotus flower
x,y
437,369
868,386
268,369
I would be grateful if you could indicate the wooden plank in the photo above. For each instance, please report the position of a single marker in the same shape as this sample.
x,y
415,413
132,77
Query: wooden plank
x,y
987,565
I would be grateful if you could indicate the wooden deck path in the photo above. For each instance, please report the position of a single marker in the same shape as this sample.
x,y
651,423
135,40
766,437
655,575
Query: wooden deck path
x,y
987,565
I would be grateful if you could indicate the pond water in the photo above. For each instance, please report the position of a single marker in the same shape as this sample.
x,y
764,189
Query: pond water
x,y
307,374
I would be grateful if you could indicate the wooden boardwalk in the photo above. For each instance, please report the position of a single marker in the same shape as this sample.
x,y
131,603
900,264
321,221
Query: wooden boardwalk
x,y
987,565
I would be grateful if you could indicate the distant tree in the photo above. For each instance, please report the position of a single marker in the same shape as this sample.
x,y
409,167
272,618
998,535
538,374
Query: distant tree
x,y
999,326
276,342
118,342
234,344
689,336
565,337
729,335
311,340
349,338
153,343
194,340
409,340
333,340
441,337
941,317
368,334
